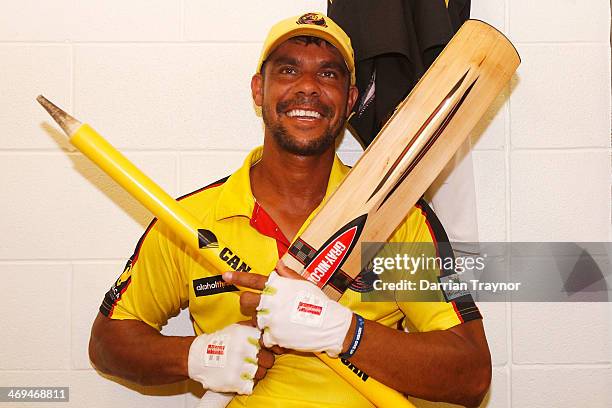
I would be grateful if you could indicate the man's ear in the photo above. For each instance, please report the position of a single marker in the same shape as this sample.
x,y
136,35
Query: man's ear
x,y
257,89
353,93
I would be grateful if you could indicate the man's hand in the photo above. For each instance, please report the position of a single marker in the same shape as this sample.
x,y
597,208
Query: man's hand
x,y
293,313
228,360
265,356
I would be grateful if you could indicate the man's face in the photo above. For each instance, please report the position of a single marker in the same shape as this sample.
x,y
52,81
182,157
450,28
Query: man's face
x,y
305,96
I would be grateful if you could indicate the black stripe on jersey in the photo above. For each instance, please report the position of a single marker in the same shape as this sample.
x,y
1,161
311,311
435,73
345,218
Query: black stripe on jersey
x,y
134,256
465,308
443,247
211,185
114,294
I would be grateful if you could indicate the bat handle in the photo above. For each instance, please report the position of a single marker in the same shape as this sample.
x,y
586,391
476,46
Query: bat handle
x,y
213,399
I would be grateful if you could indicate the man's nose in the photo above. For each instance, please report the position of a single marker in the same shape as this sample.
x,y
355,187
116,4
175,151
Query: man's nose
x,y
308,84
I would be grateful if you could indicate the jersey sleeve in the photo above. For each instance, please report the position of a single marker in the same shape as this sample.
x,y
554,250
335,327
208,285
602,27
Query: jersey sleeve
x,y
151,288
424,231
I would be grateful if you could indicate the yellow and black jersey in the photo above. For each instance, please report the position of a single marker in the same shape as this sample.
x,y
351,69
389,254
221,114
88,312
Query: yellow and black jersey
x,y
163,276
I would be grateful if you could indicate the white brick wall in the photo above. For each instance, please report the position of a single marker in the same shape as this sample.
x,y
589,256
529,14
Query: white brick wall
x,y
168,83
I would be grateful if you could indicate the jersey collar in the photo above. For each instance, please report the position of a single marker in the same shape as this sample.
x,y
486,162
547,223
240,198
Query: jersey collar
x,y
236,197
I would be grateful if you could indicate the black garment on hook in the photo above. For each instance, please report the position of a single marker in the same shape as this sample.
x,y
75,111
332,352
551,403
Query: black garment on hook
x,y
395,41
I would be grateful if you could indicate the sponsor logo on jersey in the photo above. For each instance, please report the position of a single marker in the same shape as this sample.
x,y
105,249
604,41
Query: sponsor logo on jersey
x,y
211,286
452,287
114,293
233,261
364,377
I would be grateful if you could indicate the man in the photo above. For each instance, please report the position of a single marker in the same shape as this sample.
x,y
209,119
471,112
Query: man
x,y
305,87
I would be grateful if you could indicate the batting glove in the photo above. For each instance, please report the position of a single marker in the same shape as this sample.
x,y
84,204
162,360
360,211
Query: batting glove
x,y
226,360
296,314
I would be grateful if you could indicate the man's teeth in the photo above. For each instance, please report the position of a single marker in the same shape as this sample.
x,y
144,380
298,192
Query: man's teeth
x,y
300,112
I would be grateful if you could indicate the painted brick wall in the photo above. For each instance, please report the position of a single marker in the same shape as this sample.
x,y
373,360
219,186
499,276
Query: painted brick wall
x,y
168,83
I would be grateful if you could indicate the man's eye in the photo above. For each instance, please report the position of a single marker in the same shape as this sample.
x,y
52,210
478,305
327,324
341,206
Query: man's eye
x,y
329,74
288,70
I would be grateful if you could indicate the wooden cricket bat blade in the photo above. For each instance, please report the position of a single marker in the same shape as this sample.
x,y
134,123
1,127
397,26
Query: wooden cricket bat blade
x,y
410,151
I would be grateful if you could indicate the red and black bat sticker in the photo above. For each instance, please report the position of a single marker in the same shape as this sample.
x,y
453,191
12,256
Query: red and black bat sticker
x,y
322,265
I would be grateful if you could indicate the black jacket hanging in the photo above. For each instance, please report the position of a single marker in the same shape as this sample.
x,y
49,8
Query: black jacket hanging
x,y
395,41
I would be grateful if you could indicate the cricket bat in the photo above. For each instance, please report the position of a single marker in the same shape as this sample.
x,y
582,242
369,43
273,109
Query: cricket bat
x,y
407,155
392,174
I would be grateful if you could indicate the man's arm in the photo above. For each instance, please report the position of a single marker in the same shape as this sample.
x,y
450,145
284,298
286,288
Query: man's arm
x,y
452,365
133,350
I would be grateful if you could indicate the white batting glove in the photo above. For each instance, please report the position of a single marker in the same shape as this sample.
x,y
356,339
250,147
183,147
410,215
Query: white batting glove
x,y
296,314
226,360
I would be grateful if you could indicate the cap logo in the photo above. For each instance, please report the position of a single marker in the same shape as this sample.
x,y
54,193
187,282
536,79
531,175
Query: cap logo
x,y
312,18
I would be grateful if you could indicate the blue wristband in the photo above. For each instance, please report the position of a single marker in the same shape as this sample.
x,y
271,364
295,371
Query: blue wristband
x,y
356,338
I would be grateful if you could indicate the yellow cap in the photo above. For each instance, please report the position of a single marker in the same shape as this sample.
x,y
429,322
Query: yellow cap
x,y
310,24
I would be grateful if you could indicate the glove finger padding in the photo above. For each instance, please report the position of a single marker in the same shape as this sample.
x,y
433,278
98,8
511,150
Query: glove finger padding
x,y
226,360
296,314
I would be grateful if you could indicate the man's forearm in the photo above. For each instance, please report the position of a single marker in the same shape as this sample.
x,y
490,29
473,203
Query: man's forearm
x,y
450,365
135,351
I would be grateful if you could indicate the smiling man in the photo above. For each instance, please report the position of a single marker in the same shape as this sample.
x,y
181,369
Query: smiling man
x,y
304,84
